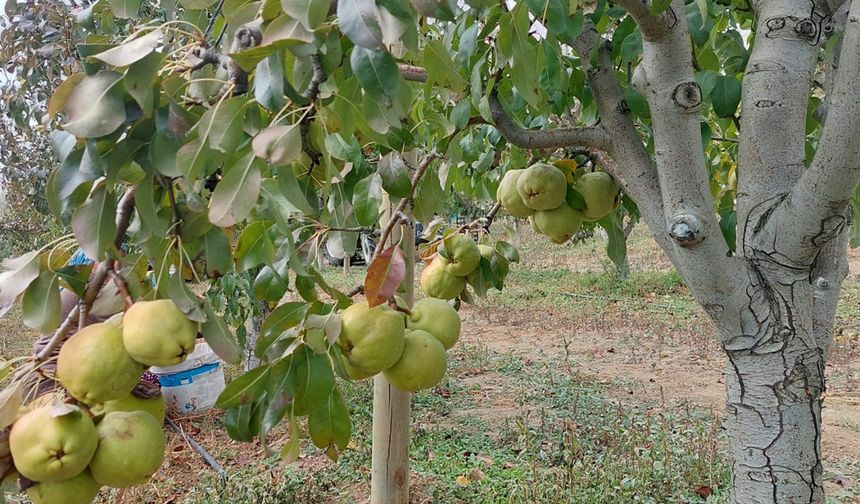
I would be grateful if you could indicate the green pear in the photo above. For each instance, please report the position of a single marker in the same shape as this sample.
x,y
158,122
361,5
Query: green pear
x,y
559,224
371,338
422,365
438,283
157,333
53,443
508,196
131,449
600,193
437,317
80,489
95,367
463,255
542,187
155,406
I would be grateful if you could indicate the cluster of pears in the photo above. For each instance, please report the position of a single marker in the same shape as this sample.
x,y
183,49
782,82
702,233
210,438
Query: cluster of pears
x,y
539,193
111,437
446,277
409,349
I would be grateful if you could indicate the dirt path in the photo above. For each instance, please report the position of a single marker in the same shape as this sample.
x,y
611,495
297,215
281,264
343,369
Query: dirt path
x,y
646,362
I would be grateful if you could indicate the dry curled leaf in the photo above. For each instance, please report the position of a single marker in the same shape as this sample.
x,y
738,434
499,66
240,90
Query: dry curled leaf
x,y
384,275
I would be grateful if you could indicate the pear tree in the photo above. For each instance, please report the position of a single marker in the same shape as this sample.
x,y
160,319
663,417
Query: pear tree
x,y
209,138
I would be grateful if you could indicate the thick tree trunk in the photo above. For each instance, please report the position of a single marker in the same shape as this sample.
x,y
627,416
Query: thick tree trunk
x,y
774,384
774,427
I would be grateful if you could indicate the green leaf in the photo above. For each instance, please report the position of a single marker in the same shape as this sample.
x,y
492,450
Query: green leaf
x,y
222,124
726,95
62,92
437,9
245,389
330,424
280,391
616,244
514,34
216,253
359,21
186,300
75,277
132,51
508,251
41,303
236,194
94,224
290,451
574,199
242,422
631,48
556,16
95,106
279,145
378,74
254,246
285,31
147,207
269,82
125,9
441,68
162,154
395,175
658,6
398,8
367,198
311,13
272,281
193,159
140,78
283,317
314,380
219,338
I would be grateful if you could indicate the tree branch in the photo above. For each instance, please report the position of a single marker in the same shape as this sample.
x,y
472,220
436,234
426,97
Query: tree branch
x,y
665,78
816,206
555,138
776,89
399,212
47,345
318,78
652,27
634,170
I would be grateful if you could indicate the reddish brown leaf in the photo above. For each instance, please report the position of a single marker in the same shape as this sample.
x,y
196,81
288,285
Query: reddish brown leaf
x,y
384,275
704,491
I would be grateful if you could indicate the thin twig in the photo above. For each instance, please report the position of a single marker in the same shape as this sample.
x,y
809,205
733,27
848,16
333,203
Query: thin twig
x,y
402,309
399,212
359,229
358,289
125,209
213,18
175,221
319,76
122,286
485,222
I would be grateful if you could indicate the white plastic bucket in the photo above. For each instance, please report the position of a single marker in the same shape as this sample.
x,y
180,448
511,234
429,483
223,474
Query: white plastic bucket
x,y
194,385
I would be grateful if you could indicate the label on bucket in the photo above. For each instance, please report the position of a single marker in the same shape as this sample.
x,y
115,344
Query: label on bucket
x,y
193,390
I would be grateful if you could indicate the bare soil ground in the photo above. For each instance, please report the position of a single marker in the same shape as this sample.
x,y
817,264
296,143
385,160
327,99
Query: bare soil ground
x,y
663,360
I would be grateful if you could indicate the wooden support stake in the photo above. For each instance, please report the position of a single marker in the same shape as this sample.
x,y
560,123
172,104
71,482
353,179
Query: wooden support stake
x,y
389,480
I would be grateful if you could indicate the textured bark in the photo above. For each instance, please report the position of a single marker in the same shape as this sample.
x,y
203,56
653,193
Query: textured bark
x,y
773,301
